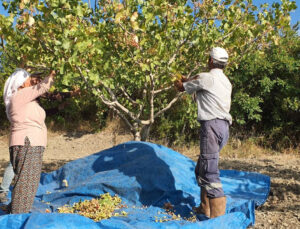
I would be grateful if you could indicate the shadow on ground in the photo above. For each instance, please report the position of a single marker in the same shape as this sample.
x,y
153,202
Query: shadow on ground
x,y
54,165
76,134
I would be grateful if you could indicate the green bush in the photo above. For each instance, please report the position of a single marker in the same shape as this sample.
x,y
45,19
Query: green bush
x,y
266,97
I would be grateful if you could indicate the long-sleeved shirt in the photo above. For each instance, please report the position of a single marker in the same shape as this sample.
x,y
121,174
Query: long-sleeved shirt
x,y
213,95
27,116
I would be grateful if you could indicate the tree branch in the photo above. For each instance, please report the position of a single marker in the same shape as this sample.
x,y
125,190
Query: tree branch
x,y
118,105
194,69
180,45
254,40
169,105
2,43
38,67
127,96
44,46
228,34
152,98
162,90
177,51
142,105
125,30
123,118
112,104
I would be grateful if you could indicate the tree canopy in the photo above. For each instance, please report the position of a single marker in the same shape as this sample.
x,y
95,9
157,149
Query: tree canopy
x,y
128,53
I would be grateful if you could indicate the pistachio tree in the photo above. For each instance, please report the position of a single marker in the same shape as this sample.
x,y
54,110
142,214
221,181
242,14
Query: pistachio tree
x,y
128,53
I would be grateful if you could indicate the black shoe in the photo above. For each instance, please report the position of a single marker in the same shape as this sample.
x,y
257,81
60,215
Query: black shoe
x,y
3,197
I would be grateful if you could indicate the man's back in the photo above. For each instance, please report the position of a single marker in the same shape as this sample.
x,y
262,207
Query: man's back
x,y
213,90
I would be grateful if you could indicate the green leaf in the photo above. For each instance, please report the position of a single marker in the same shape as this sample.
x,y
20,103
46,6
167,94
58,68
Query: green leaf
x,y
145,67
5,4
79,11
62,68
57,42
118,17
135,25
66,45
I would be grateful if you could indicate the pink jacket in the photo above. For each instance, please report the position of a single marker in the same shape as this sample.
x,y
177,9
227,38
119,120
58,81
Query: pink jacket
x,y
27,116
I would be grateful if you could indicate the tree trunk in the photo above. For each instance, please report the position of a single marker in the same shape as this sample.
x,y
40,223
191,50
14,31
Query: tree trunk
x,y
137,136
141,134
145,132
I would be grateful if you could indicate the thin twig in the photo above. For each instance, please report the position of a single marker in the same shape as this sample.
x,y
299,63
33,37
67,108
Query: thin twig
x,y
194,69
143,104
162,90
2,43
152,98
127,96
180,45
169,105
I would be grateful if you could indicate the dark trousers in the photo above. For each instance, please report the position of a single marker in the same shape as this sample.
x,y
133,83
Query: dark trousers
x,y
27,164
214,135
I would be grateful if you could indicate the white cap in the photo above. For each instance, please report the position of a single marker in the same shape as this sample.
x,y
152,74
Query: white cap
x,y
219,54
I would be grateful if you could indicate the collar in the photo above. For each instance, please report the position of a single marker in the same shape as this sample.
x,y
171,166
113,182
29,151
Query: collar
x,y
216,70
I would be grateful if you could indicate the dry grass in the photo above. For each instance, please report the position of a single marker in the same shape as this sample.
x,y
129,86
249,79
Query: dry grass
x,y
237,149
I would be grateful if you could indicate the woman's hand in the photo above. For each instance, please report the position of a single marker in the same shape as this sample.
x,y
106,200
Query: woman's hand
x,y
76,92
52,74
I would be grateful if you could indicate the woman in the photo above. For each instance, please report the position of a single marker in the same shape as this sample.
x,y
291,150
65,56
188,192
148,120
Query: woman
x,y
50,96
28,137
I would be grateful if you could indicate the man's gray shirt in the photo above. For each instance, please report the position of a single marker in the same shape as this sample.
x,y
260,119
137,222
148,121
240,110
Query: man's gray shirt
x,y
213,95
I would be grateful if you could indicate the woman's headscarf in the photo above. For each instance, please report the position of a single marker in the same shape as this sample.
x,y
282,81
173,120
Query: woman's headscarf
x,y
11,86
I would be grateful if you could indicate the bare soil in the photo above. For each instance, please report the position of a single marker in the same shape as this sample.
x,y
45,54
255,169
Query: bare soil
x,y
281,210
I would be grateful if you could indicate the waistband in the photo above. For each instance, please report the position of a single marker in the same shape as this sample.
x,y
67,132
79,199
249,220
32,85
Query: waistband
x,y
212,120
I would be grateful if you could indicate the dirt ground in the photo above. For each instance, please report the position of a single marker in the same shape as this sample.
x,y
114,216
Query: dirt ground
x,y
282,209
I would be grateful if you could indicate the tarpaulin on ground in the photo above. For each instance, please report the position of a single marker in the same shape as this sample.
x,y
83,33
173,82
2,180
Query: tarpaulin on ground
x,y
146,176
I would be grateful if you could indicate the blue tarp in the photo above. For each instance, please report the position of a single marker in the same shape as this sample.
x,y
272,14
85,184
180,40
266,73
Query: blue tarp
x,y
142,174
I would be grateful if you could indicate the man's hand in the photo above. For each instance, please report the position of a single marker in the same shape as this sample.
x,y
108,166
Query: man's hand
x,y
179,85
184,79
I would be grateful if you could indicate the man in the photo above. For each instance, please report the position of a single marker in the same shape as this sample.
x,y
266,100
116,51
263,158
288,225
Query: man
x,y
213,97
